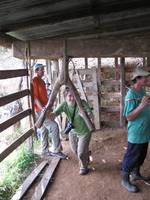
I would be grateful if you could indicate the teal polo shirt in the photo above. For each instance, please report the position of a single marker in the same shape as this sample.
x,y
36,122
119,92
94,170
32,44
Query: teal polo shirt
x,y
139,128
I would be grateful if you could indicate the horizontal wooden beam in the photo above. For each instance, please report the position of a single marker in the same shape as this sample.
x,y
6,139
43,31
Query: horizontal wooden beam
x,y
4,125
15,144
110,109
4,74
12,97
111,95
110,82
135,47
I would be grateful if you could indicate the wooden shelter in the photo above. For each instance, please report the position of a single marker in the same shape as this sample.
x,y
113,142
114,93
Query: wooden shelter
x,y
92,28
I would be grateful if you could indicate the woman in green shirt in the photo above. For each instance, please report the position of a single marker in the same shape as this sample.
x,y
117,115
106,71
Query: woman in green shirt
x,y
79,136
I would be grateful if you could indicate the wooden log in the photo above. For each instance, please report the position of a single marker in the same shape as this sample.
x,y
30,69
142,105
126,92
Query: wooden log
x,y
79,104
40,189
15,144
28,181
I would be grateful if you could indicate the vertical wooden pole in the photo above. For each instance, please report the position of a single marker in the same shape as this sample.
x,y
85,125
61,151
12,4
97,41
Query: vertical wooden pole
x,y
99,78
49,70
122,90
144,61
117,74
29,80
86,63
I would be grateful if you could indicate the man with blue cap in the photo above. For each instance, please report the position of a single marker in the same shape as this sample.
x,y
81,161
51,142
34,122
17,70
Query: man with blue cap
x,y
49,127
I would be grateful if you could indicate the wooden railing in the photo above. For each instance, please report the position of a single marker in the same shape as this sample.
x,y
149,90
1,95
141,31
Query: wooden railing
x,y
7,74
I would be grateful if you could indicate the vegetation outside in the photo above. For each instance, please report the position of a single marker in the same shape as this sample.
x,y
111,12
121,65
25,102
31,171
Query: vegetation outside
x,y
14,170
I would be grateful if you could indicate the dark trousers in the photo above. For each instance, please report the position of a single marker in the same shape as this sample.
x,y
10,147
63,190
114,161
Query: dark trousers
x,y
134,156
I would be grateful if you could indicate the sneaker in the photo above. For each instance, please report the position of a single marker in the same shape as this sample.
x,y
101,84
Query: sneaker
x,y
84,171
59,155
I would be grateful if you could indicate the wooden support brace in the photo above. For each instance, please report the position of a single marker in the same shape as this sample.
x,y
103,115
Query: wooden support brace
x,y
63,79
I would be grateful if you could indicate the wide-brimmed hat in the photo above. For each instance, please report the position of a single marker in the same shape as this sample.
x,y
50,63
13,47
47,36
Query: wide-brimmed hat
x,y
38,65
139,72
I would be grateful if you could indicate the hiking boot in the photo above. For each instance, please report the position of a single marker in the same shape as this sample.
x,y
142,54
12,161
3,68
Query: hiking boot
x,y
84,171
136,176
59,155
127,184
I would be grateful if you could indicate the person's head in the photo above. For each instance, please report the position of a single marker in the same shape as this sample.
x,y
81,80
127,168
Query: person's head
x,y
69,96
140,76
39,69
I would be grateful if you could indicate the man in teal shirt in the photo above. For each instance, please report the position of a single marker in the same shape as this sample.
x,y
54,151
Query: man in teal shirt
x,y
137,113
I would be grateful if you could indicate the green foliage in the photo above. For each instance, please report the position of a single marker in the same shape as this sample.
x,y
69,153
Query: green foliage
x,y
13,171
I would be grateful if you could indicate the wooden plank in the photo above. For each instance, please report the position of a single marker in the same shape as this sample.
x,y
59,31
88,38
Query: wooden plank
x,y
110,109
14,119
4,74
95,99
40,189
15,144
111,82
12,97
29,180
111,95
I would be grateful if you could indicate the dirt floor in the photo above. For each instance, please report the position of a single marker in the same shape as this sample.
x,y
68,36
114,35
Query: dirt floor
x,y
103,182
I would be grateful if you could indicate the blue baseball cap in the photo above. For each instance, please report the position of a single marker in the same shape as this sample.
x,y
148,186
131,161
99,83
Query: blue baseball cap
x,y
38,65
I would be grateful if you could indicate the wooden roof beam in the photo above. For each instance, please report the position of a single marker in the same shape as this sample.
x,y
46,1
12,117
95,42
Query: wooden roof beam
x,y
85,48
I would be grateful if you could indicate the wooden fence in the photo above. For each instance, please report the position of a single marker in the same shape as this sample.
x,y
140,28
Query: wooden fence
x,y
8,74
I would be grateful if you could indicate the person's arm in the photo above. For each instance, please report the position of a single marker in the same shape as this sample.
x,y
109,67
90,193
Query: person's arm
x,y
38,103
56,112
132,115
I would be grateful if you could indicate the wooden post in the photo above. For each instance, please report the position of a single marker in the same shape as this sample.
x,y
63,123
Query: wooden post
x,y
144,61
30,104
86,63
99,78
122,90
148,61
117,74
49,69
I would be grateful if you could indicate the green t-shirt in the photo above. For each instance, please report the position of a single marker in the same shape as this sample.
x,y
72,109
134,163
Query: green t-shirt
x,y
139,128
79,124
